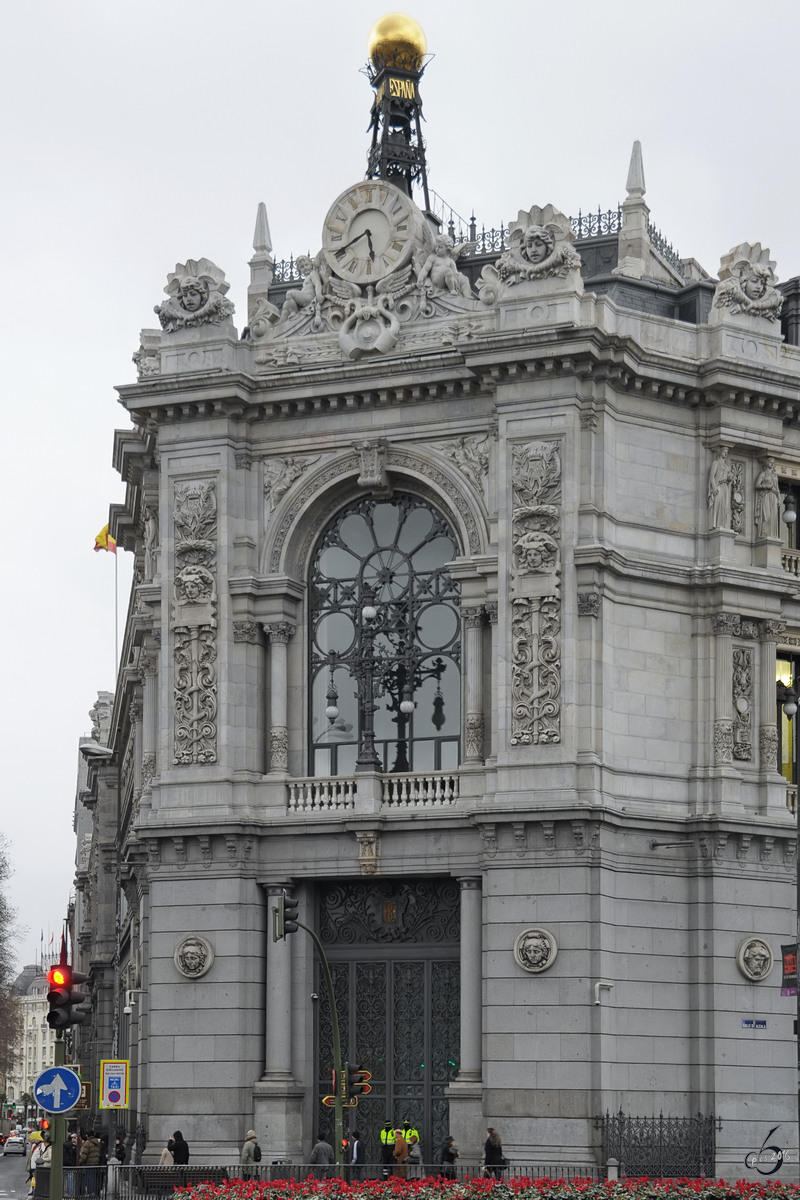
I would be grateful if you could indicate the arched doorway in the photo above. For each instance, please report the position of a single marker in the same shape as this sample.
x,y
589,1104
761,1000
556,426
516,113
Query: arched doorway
x,y
384,619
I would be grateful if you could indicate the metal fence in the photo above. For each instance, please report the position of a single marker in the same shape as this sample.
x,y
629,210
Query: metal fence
x,y
135,1182
663,1147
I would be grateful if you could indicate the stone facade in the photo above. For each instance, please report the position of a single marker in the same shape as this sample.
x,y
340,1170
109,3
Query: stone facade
x,y
615,816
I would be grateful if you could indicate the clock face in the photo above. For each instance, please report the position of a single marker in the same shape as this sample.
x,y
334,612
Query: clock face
x,y
368,232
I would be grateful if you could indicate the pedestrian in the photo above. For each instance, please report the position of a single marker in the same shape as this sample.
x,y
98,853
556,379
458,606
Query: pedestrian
x,y
251,1151
180,1149
120,1152
414,1157
358,1156
322,1156
387,1149
400,1154
449,1155
90,1157
493,1159
166,1159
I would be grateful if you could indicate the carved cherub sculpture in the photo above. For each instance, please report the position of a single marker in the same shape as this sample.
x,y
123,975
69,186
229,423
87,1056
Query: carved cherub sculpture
x,y
310,295
747,283
195,296
439,274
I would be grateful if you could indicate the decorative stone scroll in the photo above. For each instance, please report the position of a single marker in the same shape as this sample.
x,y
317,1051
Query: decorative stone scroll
x,y
754,958
194,623
372,459
368,853
535,950
196,296
742,703
536,610
747,283
737,497
193,956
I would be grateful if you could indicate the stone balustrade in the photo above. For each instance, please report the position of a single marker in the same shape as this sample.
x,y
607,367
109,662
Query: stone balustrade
x,y
436,789
321,795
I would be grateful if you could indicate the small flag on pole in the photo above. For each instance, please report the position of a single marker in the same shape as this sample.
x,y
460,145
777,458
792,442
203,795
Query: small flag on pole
x,y
104,541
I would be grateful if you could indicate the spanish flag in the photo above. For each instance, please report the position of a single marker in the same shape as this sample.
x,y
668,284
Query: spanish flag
x,y
104,542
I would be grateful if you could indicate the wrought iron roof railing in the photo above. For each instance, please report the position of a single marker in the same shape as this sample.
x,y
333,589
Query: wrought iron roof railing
x,y
495,241
664,248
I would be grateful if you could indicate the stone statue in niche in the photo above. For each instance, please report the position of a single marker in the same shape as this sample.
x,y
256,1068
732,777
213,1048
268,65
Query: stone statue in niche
x,y
439,274
194,956
747,282
195,296
535,950
539,248
768,501
150,544
719,491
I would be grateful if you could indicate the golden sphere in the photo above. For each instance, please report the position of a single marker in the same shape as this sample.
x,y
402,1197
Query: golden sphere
x,y
394,37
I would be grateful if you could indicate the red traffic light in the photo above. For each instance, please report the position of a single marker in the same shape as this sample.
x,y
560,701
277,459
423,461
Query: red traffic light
x,y
58,976
44,1124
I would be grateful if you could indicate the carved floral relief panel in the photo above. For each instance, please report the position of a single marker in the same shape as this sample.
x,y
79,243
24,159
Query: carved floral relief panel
x,y
536,603
390,911
194,622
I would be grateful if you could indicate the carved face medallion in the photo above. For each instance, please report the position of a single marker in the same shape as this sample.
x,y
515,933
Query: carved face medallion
x,y
368,232
194,956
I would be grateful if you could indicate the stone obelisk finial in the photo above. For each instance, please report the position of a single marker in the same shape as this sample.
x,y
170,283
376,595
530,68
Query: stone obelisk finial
x,y
635,184
262,242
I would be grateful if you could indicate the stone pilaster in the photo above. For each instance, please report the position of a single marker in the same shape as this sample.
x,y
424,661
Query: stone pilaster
x,y
279,634
473,653
277,1100
773,790
491,612
465,1094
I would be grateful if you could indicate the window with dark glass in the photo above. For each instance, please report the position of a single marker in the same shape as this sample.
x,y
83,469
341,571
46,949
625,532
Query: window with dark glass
x,y
386,558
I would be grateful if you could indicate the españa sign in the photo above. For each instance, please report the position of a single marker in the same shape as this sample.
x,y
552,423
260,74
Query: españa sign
x,y
114,1083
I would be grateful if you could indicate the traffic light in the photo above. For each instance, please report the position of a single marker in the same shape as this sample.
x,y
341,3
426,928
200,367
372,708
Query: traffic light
x,y
61,996
284,916
44,1124
357,1084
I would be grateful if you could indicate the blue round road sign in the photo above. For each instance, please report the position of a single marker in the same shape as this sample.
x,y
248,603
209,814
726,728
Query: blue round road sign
x,y
57,1090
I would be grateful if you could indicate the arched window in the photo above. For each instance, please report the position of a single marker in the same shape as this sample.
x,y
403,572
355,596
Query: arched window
x,y
385,617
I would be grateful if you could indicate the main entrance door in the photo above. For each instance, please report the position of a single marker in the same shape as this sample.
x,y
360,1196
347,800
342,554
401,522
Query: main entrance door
x,y
393,947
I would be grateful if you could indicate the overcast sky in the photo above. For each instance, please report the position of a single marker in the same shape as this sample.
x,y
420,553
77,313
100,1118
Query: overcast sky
x,y
137,135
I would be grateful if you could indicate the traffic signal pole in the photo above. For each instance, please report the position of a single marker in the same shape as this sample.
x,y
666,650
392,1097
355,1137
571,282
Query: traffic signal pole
x,y
58,1130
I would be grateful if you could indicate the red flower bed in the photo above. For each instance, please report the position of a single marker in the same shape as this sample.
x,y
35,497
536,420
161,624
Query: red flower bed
x,y
492,1189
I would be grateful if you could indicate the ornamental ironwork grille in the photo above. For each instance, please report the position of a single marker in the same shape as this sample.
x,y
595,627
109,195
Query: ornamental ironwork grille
x,y
393,948
391,554
663,1147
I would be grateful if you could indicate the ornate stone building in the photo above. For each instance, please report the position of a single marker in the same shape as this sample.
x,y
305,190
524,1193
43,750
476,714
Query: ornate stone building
x,y
460,587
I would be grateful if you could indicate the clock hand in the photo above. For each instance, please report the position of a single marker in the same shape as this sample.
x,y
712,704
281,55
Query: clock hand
x,y
369,243
357,238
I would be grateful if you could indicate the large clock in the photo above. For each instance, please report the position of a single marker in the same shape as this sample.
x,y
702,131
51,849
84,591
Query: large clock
x,y
369,232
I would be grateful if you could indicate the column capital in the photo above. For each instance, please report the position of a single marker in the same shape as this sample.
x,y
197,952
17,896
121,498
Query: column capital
x,y
473,617
275,889
771,631
279,631
469,882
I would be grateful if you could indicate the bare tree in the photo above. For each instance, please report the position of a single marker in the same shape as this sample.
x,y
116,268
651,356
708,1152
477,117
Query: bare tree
x,y
10,1008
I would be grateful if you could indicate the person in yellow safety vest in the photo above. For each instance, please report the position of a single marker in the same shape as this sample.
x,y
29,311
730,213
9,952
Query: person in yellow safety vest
x,y
387,1148
409,1131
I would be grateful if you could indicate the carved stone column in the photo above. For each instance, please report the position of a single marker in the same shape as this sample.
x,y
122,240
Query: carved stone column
x,y
279,634
491,613
769,633
473,651
465,1094
724,625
